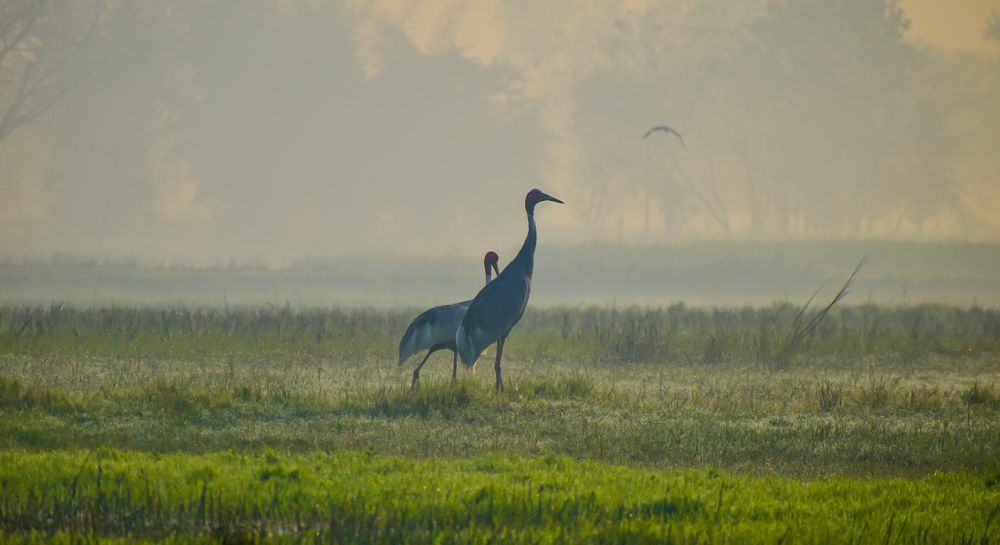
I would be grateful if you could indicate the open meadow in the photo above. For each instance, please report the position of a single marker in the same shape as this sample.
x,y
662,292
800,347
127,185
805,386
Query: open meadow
x,y
657,424
684,272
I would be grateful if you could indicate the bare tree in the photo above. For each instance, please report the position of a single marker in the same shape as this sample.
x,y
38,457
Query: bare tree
x,y
49,48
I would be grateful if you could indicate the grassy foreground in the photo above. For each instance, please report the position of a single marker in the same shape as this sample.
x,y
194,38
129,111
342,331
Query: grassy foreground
x,y
793,426
684,425
362,498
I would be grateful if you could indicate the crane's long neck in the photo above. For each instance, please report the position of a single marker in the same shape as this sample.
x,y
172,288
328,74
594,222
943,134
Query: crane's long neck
x,y
526,257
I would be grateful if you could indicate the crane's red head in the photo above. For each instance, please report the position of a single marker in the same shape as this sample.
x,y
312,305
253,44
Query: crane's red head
x,y
491,261
534,197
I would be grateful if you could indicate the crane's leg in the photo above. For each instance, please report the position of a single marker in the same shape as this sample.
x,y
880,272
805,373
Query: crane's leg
x,y
416,372
454,366
497,367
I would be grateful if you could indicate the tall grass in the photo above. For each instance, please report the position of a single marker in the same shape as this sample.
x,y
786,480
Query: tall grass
x,y
604,335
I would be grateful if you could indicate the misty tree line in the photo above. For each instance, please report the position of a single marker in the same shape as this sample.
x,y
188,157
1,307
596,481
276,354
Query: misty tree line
x,y
824,119
50,48
815,117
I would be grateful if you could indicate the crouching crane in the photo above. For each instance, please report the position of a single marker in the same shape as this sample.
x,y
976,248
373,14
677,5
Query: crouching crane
x,y
434,329
500,305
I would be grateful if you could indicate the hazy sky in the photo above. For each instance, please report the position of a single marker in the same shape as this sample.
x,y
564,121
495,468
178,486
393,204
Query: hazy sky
x,y
269,130
953,26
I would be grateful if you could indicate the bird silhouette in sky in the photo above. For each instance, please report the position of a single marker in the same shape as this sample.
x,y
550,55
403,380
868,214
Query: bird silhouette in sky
x,y
665,129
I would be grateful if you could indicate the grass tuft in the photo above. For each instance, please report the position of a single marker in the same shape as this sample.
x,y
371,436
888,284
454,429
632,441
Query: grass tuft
x,y
980,395
829,396
10,392
443,399
803,327
575,386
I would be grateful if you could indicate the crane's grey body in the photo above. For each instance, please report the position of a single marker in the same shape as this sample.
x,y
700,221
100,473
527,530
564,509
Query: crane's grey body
x,y
434,329
498,307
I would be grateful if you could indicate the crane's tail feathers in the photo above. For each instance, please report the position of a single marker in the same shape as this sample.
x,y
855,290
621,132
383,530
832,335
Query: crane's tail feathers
x,y
407,348
466,351
413,340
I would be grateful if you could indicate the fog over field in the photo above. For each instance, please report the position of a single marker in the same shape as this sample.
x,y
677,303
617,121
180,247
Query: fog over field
x,y
704,274
274,130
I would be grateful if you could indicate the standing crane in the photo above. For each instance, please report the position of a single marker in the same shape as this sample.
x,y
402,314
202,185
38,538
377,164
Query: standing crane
x,y
500,305
434,329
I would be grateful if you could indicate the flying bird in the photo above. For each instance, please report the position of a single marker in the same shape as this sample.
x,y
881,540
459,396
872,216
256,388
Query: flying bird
x,y
665,129
499,305
434,329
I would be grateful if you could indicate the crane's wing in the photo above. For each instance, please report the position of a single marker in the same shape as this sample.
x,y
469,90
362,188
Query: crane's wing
x,y
435,326
492,314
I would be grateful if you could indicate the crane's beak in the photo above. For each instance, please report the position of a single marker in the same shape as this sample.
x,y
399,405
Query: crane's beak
x,y
496,270
551,198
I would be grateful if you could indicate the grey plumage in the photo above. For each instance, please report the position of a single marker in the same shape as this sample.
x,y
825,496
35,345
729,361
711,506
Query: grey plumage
x,y
498,307
434,329
430,330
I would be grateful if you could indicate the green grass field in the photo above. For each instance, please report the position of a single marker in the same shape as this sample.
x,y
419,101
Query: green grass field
x,y
368,498
677,424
